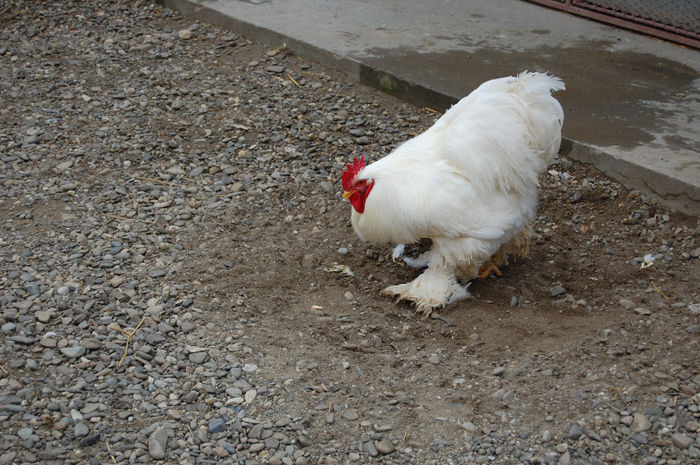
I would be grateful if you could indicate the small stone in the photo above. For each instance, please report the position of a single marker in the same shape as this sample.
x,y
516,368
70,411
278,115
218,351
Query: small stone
x,y
434,359
498,371
81,429
184,34
514,301
24,340
8,457
90,440
43,316
468,426
198,357
694,309
574,431
275,69
564,459
73,352
639,423
557,290
384,447
351,414
681,441
250,396
217,425
695,253
8,328
626,304
642,311
61,167
371,449
186,327
257,447
157,443
256,431
25,433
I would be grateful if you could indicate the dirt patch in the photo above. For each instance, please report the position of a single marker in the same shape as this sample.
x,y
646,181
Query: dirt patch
x,y
425,376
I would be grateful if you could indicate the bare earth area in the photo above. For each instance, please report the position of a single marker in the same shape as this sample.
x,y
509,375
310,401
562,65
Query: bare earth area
x,y
180,282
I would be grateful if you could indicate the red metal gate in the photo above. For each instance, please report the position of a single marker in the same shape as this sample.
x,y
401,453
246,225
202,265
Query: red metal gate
x,y
675,20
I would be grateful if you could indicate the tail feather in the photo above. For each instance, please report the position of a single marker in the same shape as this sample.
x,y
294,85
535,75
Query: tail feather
x,y
545,114
530,82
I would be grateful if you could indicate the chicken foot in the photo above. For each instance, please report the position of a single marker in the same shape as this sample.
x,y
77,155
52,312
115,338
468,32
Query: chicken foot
x,y
491,267
434,288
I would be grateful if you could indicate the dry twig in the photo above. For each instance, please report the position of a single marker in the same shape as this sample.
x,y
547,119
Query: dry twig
x,y
659,291
2,368
109,449
292,79
128,335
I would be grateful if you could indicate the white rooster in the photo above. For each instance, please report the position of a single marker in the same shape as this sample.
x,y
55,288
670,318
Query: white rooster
x,y
468,183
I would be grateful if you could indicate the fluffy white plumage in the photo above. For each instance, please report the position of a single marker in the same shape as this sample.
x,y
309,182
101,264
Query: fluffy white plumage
x,y
468,183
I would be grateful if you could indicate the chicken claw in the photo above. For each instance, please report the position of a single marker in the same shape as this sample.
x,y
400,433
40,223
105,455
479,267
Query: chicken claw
x,y
490,267
433,289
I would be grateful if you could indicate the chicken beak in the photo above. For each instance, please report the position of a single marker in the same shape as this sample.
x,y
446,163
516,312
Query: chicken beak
x,y
347,194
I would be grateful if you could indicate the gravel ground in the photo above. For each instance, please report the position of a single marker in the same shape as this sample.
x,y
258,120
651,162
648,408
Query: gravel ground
x,y
175,261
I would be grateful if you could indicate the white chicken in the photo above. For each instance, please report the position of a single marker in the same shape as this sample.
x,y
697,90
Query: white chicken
x,y
468,183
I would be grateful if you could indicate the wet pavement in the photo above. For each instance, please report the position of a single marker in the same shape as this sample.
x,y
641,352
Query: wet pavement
x,y
632,102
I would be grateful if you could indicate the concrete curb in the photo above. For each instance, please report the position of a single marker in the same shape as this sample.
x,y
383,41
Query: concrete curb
x,y
671,191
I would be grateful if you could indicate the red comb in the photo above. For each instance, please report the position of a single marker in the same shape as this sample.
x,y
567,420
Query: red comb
x,y
351,171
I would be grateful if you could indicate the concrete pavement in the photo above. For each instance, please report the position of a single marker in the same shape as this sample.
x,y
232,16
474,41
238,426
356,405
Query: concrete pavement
x,y
632,104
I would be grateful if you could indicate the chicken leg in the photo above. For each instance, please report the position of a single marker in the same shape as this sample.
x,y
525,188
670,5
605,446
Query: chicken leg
x,y
491,266
516,247
436,287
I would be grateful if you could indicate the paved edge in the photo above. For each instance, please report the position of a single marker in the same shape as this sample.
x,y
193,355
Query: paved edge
x,y
670,191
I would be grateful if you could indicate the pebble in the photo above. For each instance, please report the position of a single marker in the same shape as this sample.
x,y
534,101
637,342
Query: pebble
x,y
564,459
25,433
681,441
574,431
198,357
184,34
371,449
157,443
73,352
639,423
384,447
557,290
81,429
351,414
217,425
